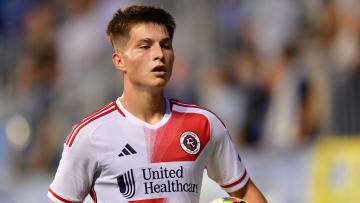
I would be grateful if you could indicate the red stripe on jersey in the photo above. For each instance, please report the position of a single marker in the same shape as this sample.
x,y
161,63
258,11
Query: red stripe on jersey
x,y
161,200
72,130
163,144
236,182
58,197
178,101
117,107
87,122
75,127
198,107
103,108
93,195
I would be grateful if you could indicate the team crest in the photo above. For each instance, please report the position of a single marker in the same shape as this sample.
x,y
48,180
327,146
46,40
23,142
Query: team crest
x,y
190,142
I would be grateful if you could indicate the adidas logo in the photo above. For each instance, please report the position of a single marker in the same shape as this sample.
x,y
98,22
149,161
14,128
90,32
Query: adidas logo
x,y
127,151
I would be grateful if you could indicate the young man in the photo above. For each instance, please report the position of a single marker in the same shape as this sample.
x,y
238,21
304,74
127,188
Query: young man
x,y
144,147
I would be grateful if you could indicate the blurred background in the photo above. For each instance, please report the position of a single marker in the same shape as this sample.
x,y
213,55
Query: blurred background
x,y
284,75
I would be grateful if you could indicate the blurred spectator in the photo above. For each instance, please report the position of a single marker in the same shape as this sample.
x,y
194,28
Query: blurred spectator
x,y
221,93
274,24
87,78
345,49
32,83
11,43
80,45
232,19
287,123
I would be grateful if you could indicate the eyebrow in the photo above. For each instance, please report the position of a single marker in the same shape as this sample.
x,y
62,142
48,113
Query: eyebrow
x,y
148,40
167,39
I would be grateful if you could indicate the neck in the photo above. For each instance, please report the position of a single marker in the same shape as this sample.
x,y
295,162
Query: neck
x,y
147,106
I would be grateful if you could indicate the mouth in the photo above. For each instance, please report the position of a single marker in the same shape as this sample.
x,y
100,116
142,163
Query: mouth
x,y
159,69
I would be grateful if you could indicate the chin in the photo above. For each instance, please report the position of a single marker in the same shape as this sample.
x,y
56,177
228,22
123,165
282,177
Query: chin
x,y
160,83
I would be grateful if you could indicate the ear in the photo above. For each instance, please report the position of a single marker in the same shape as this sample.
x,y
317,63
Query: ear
x,y
118,61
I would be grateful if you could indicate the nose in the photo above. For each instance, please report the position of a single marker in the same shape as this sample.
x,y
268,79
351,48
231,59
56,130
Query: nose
x,y
158,53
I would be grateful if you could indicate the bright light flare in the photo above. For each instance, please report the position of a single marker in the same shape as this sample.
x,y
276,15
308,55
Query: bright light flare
x,y
18,132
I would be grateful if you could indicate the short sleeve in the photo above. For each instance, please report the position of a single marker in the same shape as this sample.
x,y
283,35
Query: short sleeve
x,y
74,176
224,165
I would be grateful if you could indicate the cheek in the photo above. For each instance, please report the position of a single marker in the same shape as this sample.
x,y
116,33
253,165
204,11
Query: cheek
x,y
171,58
135,63
172,62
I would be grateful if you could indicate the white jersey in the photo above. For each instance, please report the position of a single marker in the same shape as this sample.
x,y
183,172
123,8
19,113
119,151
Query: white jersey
x,y
117,157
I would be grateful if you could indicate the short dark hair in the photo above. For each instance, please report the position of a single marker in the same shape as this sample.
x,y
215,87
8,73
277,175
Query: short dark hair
x,y
122,21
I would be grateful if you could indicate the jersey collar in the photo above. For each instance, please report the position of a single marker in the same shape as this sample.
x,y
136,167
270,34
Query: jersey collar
x,y
138,121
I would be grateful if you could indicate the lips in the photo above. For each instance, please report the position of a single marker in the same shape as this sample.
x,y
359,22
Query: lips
x,y
159,69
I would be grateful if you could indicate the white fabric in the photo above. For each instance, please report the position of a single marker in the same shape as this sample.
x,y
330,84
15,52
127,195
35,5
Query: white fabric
x,y
155,166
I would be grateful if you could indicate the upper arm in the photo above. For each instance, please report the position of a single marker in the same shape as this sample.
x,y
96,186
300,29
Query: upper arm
x,y
233,178
224,153
249,193
75,173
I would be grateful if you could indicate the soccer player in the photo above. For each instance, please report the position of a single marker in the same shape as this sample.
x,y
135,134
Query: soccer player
x,y
144,147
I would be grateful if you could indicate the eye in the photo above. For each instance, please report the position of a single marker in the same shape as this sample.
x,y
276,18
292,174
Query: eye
x,y
166,46
144,47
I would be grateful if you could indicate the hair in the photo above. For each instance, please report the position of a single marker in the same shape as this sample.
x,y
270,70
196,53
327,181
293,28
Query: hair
x,y
123,20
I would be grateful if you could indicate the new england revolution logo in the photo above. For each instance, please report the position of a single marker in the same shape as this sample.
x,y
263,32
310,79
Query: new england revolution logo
x,y
126,184
190,142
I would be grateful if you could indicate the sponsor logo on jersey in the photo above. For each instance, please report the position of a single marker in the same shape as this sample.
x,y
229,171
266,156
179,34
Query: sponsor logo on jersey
x,y
154,181
165,180
126,184
190,142
128,150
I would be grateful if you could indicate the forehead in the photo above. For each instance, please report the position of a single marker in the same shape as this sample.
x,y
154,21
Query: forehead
x,y
148,30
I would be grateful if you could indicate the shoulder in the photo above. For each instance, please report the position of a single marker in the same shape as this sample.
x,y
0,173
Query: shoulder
x,y
184,107
88,124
